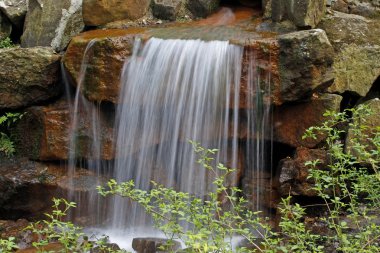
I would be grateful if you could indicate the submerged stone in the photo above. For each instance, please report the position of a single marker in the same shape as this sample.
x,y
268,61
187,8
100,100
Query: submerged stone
x,y
52,23
28,76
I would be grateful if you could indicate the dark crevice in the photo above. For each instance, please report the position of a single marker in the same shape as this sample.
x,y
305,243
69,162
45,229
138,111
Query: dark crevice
x,y
349,100
248,3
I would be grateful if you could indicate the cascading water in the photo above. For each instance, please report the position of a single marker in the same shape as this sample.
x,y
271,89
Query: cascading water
x,y
173,91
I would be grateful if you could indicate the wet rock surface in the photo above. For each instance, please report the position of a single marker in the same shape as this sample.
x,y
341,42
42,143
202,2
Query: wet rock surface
x,y
49,134
28,76
27,187
50,23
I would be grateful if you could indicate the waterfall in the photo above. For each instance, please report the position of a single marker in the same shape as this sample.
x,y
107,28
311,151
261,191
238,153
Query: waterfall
x,y
173,91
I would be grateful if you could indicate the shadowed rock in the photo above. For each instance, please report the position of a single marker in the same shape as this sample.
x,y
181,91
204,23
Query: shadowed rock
x,y
28,76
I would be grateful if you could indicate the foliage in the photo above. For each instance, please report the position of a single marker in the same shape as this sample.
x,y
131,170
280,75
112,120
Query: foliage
x,y
350,186
203,225
69,236
7,245
6,121
5,43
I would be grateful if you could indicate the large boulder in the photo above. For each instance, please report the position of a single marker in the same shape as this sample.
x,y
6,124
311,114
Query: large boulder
x,y
101,12
15,10
304,14
202,8
294,173
357,47
5,27
291,121
106,53
365,8
166,9
49,134
52,23
28,76
305,64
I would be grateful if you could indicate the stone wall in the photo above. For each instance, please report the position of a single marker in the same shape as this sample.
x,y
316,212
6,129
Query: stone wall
x,y
311,71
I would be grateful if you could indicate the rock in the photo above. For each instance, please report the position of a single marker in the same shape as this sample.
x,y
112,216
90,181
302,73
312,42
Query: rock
x,y
16,229
5,27
97,12
28,76
49,134
15,10
365,8
50,23
202,8
372,122
151,245
166,9
291,121
26,187
357,47
295,72
294,173
105,61
304,14
305,64
50,247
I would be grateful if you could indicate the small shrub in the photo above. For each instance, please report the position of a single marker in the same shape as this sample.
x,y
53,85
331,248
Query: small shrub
x,y
71,237
6,43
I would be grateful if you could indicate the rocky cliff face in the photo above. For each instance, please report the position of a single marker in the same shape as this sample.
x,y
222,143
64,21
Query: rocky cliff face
x,y
317,60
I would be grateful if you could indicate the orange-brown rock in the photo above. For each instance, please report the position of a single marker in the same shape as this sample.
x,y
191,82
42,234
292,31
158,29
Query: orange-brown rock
x,y
100,12
291,121
294,173
105,58
292,72
48,135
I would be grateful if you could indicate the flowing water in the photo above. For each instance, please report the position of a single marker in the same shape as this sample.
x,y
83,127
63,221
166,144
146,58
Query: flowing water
x,y
173,91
